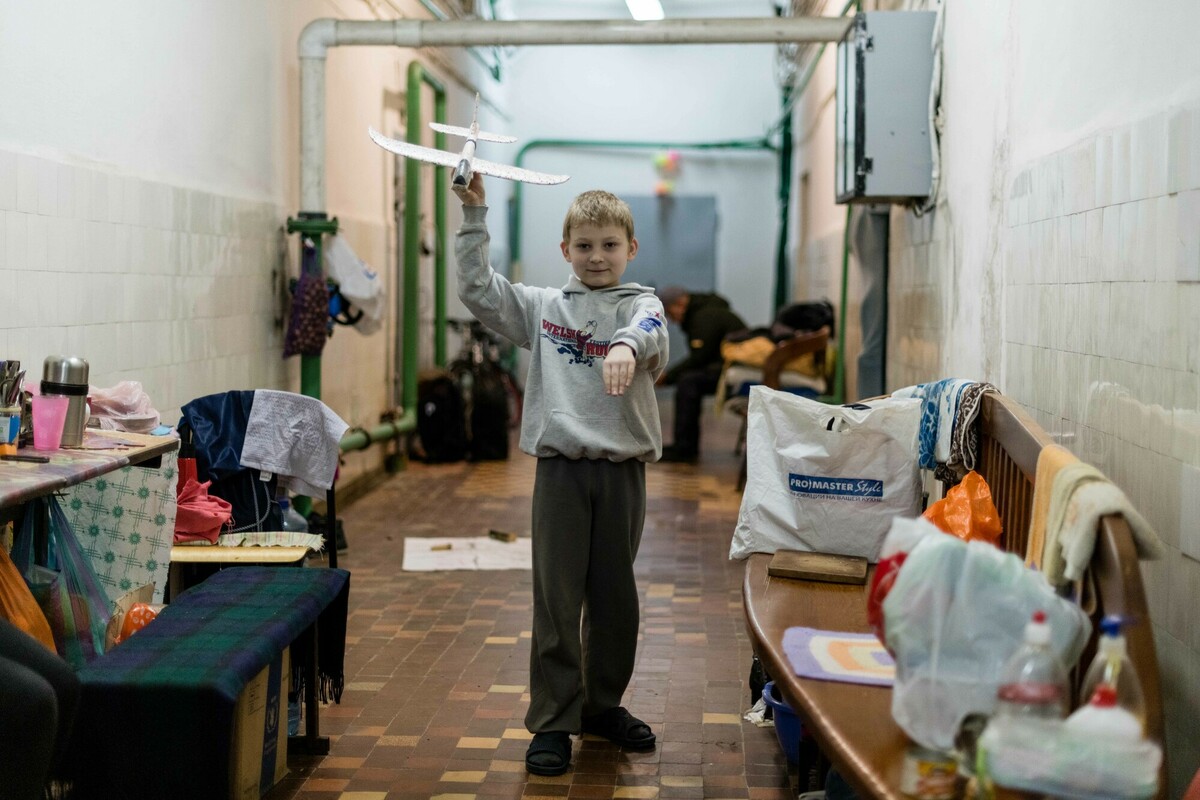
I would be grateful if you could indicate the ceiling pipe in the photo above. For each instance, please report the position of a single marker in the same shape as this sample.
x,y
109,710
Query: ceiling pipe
x,y
321,34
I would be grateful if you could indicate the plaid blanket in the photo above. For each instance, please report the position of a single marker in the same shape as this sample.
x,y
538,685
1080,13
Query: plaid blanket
x,y
156,713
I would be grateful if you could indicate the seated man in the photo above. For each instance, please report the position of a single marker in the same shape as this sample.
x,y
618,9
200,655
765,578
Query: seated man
x,y
706,320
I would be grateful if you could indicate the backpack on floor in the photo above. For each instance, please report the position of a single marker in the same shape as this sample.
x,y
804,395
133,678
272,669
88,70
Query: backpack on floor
x,y
441,419
489,414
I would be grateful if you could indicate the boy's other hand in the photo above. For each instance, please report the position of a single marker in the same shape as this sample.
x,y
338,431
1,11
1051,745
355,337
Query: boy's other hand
x,y
472,194
619,366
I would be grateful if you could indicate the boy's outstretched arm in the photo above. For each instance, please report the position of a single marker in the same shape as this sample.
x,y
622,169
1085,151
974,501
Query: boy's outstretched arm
x,y
645,337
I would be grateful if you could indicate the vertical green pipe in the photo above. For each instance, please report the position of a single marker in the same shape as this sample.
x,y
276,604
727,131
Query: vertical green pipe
x,y
782,289
410,325
412,238
839,375
439,259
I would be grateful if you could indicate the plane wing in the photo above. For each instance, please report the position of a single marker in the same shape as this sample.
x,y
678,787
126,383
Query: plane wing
x,y
465,133
509,172
442,158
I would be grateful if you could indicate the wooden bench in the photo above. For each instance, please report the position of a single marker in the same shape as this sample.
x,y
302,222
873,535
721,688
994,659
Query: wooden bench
x,y
851,723
156,714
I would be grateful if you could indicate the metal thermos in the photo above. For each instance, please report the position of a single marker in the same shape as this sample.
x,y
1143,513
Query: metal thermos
x,y
68,375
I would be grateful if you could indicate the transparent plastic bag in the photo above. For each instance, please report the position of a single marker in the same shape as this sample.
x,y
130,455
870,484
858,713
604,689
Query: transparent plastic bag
x,y
124,407
65,586
955,615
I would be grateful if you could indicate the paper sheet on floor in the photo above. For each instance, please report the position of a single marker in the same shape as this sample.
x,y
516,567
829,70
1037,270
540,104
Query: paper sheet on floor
x,y
473,552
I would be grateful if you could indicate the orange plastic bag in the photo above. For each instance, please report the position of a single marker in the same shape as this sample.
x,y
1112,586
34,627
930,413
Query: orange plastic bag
x,y
18,606
967,511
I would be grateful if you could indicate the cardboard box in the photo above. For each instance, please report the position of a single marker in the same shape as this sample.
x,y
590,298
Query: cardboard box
x,y
258,759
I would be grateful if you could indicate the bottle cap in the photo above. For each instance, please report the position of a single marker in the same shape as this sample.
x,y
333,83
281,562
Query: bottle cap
x,y
1111,625
1105,696
1038,631
284,503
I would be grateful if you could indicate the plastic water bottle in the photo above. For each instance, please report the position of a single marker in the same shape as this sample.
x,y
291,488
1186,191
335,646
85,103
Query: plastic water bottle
x,y
1112,666
1034,681
293,520
1103,717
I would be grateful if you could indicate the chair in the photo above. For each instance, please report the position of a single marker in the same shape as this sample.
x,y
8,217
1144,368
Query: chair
x,y
774,375
246,463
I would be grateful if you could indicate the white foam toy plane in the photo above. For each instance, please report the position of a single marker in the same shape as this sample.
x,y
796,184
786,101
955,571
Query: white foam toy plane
x,y
465,162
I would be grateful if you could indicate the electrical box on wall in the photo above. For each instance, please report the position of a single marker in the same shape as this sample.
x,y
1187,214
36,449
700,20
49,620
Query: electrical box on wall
x,y
884,72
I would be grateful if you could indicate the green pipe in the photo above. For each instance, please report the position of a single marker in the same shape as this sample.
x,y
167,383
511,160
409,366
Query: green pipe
x,y
782,288
839,375
514,213
439,258
412,233
360,438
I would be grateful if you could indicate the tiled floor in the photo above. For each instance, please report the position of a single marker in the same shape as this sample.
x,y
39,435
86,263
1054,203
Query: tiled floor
x,y
437,663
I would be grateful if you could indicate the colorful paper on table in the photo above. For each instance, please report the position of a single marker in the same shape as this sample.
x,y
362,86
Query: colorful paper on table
x,y
838,656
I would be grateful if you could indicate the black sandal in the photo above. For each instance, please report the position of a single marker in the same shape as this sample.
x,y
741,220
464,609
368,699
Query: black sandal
x,y
556,745
620,727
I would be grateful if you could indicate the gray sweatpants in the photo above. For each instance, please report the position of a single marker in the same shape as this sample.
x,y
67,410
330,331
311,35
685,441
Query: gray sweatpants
x,y
587,525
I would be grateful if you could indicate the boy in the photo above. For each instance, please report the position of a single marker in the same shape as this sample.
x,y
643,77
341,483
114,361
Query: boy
x,y
591,420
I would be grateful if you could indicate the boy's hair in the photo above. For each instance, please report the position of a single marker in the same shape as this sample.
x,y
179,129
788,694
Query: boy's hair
x,y
598,207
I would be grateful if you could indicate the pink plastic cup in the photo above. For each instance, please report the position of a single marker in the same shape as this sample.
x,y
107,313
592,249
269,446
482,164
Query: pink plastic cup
x,y
49,414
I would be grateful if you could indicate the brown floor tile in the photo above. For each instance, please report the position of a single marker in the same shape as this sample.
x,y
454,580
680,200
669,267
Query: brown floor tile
x,y
437,663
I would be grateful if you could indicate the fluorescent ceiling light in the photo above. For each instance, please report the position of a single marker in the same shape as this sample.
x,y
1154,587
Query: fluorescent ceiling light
x,y
645,9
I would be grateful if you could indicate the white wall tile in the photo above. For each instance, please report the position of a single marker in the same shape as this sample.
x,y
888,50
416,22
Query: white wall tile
x,y
1187,232
15,241
1179,124
8,181
1121,166
1104,170
27,184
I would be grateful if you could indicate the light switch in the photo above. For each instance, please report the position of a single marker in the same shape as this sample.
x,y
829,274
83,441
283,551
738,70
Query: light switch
x,y
1189,511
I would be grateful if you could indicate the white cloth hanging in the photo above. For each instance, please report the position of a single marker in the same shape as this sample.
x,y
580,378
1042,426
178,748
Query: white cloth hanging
x,y
296,437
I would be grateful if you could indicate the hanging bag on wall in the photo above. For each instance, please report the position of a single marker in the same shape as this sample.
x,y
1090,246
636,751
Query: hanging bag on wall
x,y
65,585
826,479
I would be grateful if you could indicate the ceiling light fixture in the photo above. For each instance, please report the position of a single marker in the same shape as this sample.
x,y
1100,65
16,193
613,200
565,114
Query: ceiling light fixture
x,y
645,9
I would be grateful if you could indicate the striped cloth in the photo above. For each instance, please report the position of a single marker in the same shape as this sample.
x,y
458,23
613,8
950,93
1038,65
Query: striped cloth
x,y
156,713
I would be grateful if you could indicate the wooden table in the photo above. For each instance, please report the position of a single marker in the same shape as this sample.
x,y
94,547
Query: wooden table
x,y
851,723
103,452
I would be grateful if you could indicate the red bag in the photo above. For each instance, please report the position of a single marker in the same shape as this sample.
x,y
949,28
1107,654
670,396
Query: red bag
x,y
200,516
885,575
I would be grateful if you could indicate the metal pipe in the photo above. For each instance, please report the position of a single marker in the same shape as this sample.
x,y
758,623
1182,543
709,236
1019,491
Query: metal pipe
x,y
361,439
476,33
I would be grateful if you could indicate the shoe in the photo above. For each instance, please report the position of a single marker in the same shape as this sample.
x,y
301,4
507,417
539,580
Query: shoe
x,y
671,454
549,753
620,727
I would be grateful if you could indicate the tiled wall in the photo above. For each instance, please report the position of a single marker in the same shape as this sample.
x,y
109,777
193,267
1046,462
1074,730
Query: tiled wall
x,y
149,282
1097,333
180,289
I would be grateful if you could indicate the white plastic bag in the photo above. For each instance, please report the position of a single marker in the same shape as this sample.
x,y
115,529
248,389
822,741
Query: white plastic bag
x,y
953,618
823,478
124,407
357,282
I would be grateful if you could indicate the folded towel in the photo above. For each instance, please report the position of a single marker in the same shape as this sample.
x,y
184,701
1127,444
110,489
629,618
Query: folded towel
x,y
1052,459
295,437
1077,537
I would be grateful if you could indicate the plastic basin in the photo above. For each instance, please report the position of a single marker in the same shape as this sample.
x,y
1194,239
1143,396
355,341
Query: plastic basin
x,y
787,725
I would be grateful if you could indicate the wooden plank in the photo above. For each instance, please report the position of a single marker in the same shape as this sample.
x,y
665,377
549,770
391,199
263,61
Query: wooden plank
x,y
818,567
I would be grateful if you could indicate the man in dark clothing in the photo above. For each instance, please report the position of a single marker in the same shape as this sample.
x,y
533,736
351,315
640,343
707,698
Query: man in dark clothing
x,y
706,319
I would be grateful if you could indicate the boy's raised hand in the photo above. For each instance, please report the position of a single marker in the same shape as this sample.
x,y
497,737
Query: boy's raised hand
x,y
619,366
472,194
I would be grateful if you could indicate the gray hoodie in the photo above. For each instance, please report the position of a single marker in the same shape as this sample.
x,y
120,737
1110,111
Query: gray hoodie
x,y
568,332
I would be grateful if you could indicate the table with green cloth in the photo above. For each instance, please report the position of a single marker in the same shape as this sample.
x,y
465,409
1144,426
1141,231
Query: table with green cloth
x,y
156,714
